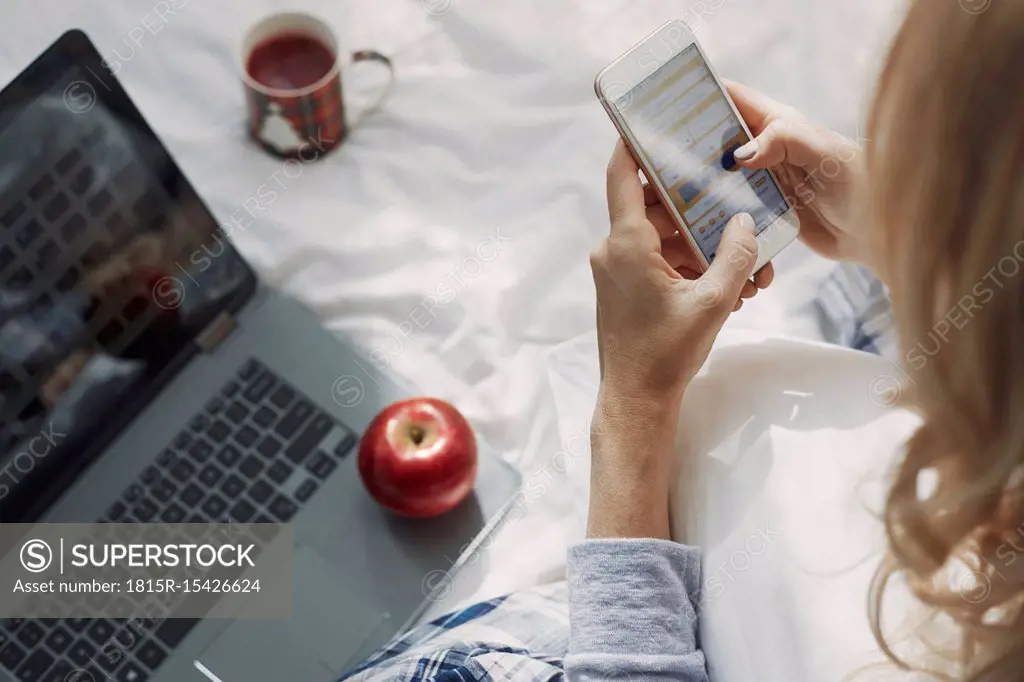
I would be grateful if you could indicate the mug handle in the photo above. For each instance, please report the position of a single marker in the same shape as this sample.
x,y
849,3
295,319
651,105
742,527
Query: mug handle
x,y
374,56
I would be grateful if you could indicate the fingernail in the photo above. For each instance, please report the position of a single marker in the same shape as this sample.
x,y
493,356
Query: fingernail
x,y
747,151
746,222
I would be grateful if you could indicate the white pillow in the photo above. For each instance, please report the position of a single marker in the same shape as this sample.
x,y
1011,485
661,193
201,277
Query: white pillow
x,y
784,448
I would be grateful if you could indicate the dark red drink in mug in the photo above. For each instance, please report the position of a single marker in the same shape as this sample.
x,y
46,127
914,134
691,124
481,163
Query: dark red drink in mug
x,y
292,73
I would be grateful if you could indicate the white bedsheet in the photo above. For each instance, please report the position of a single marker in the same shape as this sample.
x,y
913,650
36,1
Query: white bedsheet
x,y
491,139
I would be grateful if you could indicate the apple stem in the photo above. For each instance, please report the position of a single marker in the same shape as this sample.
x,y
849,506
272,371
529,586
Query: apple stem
x,y
416,433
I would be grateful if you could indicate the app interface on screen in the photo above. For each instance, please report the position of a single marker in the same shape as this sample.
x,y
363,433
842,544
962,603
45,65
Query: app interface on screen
x,y
685,125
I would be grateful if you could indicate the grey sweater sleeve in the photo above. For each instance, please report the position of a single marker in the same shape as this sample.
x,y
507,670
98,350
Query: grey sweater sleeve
x,y
633,607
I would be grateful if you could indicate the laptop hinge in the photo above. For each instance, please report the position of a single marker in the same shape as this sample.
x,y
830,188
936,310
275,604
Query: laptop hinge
x,y
215,333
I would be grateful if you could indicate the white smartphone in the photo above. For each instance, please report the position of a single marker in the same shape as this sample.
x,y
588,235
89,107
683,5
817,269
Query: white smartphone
x,y
682,127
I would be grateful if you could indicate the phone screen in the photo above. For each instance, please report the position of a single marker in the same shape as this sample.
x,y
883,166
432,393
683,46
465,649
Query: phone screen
x,y
684,124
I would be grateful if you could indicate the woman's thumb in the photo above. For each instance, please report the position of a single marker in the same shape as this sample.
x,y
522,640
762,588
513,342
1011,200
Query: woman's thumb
x,y
796,143
733,265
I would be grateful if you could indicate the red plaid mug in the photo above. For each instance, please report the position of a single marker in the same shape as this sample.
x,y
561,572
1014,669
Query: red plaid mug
x,y
292,73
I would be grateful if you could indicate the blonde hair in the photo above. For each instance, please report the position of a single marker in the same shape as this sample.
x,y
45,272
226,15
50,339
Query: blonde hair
x,y
946,167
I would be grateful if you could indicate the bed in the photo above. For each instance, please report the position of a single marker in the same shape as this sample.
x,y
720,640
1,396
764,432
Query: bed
x,y
485,170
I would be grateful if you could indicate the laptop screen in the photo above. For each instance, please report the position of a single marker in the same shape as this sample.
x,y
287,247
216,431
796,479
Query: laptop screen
x,y
109,267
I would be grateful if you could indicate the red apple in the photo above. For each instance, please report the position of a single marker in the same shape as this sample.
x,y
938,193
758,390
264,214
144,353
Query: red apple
x,y
418,457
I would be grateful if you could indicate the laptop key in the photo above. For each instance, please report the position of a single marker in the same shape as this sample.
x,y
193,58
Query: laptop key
x,y
242,512
29,233
33,667
42,186
77,624
133,493
116,511
249,370
183,440
30,634
215,506
282,397
12,624
7,255
279,472
260,387
110,659
345,445
11,655
68,279
230,389
322,465
164,490
294,419
167,459
261,491
210,475
82,652
307,441
200,423
237,412
68,161
283,508
56,207
215,405
131,672
89,673
13,213
218,431
200,451
151,655
232,486
246,436
264,417
21,277
173,514
74,227
269,446
48,254
183,470
229,456
145,510
59,639
306,490
173,630
251,466
100,202
192,495
150,475
59,673
100,631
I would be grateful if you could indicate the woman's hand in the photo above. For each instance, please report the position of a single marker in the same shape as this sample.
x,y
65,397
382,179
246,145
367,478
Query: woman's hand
x,y
656,315
656,322
818,168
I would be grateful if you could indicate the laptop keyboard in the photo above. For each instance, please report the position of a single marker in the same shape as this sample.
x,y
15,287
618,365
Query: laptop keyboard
x,y
256,453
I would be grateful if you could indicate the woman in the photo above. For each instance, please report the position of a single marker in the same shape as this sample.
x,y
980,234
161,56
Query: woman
x,y
933,205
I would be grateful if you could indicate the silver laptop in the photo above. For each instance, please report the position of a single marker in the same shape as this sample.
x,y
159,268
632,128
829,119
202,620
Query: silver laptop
x,y
151,378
